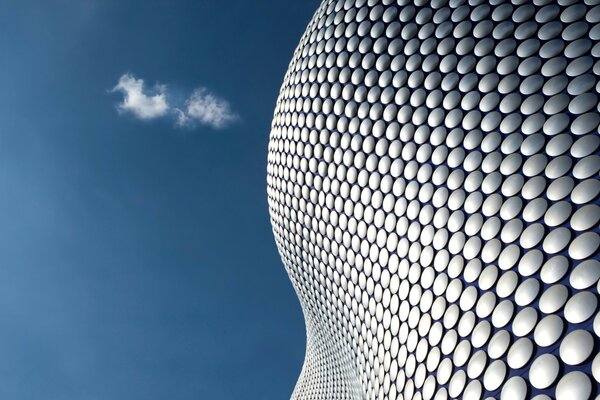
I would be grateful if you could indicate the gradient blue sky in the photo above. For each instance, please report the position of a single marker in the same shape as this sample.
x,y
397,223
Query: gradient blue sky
x,y
137,260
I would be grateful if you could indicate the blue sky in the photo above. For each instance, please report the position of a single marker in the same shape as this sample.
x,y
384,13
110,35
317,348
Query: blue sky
x,y
137,258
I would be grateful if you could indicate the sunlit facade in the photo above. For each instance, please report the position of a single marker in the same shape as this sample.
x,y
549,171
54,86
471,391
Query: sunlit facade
x,y
433,189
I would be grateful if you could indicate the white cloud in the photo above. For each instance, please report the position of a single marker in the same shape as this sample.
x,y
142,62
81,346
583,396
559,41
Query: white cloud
x,y
140,104
201,108
206,108
181,117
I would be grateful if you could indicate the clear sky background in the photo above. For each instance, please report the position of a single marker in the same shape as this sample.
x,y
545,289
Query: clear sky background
x,y
136,256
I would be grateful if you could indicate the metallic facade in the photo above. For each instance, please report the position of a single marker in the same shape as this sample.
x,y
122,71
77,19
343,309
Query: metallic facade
x,y
433,189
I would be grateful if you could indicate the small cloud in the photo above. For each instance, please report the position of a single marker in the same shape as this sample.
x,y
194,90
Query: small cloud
x,y
201,108
138,103
181,117
206,108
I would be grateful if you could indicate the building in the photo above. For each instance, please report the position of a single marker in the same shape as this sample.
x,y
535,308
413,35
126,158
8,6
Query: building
x,y
433,189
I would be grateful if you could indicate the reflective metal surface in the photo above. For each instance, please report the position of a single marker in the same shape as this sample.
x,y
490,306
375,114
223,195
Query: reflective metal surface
x,y
553,299
548,330
514,389
581,307
494,375
586,274
576,347
525,321
520,353
544,371
574,385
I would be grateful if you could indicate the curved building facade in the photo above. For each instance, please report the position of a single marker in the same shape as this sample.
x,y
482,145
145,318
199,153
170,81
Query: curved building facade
x,y
433,189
